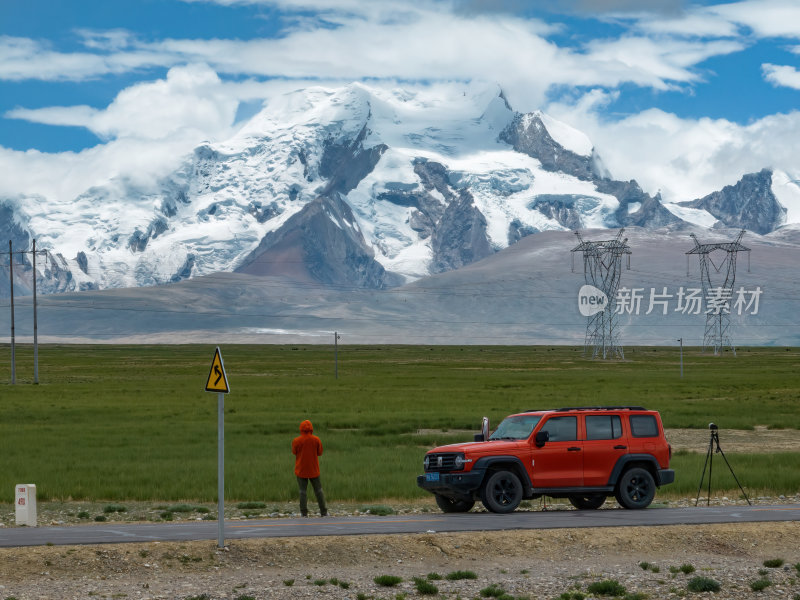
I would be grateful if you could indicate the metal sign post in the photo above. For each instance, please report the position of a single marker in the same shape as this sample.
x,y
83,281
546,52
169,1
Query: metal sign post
x,y
221,470
218,382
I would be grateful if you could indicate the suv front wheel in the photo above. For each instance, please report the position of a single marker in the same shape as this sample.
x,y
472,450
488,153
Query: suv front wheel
x,y
502,492
636,488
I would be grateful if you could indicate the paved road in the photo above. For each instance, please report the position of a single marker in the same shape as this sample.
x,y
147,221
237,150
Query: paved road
x,y
208,530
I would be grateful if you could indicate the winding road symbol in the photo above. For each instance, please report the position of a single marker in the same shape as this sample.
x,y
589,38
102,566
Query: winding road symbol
x,y
217,379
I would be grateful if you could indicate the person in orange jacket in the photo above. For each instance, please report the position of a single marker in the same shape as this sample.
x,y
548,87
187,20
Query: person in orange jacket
x,y
307,448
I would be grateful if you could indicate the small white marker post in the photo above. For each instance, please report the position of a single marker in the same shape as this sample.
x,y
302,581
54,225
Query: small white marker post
x,y
218,382
25,501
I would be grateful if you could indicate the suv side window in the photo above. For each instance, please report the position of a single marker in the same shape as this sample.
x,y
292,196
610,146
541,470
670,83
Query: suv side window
x,y
561,429
603,427
644,426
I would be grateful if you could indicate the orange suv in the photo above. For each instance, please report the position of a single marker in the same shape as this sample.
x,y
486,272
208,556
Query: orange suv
x,y
583,454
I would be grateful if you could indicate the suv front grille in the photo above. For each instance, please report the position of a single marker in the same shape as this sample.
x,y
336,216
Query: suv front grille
x,y
442,462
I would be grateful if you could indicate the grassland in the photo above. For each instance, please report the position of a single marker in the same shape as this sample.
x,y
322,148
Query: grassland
x,y
134,422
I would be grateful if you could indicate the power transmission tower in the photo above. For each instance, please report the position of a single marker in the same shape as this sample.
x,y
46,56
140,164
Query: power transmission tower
x,y
602,268
717,292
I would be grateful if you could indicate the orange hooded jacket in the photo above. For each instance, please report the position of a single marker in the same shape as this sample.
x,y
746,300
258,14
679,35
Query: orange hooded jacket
x,y
306,448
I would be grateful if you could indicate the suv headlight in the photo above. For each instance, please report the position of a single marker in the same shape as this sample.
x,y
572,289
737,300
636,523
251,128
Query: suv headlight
x,y
458,463
427,462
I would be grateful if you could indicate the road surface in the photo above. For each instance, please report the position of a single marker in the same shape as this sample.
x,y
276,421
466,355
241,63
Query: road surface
x,y
365,525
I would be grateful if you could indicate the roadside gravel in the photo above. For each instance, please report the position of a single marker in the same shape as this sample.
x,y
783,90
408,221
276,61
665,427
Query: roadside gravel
x,y
525,564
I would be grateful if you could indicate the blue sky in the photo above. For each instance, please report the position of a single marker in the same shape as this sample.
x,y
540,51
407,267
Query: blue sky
x,y
683,96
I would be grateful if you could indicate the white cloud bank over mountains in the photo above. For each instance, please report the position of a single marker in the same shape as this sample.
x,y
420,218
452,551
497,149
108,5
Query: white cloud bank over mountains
x,y
150,124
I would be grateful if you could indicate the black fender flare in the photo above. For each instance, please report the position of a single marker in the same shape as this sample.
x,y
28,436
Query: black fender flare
x,y
648,459
488,463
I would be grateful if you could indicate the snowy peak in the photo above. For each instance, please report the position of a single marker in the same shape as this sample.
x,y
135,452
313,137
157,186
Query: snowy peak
x,y
343,111
787,192
749,204
530,135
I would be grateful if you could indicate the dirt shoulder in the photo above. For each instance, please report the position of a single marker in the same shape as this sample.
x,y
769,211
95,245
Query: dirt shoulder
x,y
756,441
532,564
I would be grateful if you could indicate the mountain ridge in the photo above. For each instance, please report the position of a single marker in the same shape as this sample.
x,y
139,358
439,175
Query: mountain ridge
x,y
358,186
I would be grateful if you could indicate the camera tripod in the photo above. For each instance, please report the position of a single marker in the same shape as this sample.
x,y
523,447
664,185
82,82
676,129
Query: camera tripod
x,y
713,448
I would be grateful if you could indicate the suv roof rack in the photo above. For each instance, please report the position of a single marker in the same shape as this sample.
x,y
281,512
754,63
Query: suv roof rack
x,y
588,408
602,408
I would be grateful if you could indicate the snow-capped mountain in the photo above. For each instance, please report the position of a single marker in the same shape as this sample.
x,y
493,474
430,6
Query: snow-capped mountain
x,y
759,202
360,186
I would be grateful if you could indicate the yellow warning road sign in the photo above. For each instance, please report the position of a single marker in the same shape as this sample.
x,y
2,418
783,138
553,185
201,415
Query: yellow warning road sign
x,y
217,380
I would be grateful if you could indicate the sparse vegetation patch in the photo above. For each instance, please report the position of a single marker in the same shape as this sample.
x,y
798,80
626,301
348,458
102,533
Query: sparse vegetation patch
x,y
702,584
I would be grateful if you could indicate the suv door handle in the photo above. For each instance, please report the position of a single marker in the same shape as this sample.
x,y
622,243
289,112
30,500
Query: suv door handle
x,y
573,449
620,447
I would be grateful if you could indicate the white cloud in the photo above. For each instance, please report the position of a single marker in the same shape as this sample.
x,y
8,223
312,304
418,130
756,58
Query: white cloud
x,y
65,175
388,40
695,23
653,62
111,39
191,98
684,158
763,19
781,75
438,47
24,58
766,18
151,127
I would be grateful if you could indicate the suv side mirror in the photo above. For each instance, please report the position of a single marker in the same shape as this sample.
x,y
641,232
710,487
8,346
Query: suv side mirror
x,y
541,438
479,437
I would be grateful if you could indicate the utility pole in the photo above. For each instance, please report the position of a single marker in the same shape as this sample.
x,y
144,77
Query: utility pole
x,y
35,324
11,253
681,341
11,275
336,337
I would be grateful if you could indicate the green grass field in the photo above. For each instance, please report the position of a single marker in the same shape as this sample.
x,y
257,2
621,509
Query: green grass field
x,y
134,422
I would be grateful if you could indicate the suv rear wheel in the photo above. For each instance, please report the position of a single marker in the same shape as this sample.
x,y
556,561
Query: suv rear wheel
x,y
502,492
636,488
451,505
587,501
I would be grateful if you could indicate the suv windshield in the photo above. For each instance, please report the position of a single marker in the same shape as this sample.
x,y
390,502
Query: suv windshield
x,y
518,427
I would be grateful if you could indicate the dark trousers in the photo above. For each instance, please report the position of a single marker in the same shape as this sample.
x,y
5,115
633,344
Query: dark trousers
x,y
302,483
